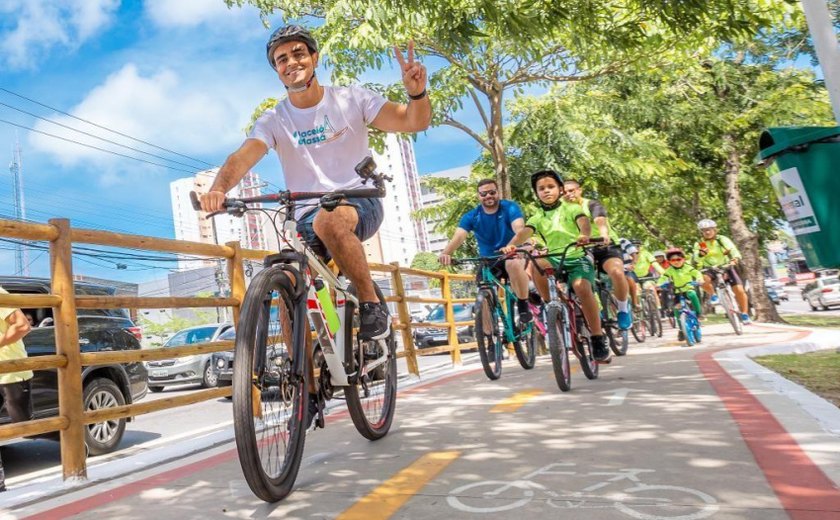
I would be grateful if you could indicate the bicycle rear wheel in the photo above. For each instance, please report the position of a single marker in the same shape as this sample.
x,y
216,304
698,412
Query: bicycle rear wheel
x,y
372,397
686,329
525,346
639,327
487,334
654,319
583,349
269,397
732,312
557,321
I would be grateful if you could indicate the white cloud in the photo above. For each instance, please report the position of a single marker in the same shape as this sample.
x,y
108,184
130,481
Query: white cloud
x,y
202,117
40,25
190,13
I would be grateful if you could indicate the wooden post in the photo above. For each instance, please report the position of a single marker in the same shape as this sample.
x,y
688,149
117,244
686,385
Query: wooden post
x,y
446,293
70,391
236,275
405,318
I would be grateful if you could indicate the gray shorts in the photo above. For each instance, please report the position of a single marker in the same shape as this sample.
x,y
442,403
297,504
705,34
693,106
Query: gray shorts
x,y
370,214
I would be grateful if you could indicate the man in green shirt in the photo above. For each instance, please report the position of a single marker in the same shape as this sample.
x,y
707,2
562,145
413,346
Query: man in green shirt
x,y
15,390
560,224
719,251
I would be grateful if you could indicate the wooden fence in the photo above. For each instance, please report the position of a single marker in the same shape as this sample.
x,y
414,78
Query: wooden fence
x,y
68,360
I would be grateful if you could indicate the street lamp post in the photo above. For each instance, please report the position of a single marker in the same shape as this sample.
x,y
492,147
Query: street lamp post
x,y
828,51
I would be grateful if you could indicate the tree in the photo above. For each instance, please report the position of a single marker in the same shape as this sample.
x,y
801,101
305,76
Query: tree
x,y
487,48
426,261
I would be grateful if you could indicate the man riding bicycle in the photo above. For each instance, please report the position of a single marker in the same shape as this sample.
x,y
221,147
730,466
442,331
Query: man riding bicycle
x,y
494,222
608,256
719,251
320,133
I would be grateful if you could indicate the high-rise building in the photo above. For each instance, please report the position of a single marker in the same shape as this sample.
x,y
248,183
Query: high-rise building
x,y
438,241
191,225
401,236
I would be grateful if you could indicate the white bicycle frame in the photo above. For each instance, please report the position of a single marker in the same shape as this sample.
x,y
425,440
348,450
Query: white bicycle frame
x,y
332,345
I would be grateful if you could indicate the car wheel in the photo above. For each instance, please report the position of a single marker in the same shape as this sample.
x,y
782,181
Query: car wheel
x,y
211,378
156,389
101,438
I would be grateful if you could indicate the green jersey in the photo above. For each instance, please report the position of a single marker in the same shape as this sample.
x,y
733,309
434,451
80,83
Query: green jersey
x,y
557,228
681,277
644,262
720,251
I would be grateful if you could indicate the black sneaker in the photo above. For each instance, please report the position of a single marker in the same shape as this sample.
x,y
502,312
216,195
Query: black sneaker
x,y
311,410
525,315
680,335
600,350
376,324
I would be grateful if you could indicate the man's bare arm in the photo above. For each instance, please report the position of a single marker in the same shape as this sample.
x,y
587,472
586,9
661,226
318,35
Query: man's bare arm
x,y
235,167
18,328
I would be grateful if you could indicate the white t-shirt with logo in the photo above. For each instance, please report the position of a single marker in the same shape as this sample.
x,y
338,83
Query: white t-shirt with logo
x,y
320,146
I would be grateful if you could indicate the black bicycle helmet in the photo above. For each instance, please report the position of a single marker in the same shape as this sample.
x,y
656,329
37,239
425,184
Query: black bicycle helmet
x,y
289,33
545,173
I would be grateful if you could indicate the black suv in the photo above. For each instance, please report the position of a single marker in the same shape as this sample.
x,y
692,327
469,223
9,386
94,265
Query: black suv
x,y
105,386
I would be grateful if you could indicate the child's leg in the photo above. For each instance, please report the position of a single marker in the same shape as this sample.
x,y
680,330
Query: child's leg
x,y
583,290
695,302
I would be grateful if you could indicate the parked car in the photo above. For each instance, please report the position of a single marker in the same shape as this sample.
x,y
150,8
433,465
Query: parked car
x,y
103,386
435,337
222,362
823,292
773,294
189,369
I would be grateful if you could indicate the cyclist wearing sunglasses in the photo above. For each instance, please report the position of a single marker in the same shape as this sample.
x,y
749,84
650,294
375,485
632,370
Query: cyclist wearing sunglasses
x,y
494,223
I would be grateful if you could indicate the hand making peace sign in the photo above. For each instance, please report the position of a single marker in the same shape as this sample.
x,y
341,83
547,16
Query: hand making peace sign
x,y
413,72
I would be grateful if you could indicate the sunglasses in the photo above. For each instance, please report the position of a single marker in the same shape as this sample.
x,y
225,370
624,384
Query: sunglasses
x,y
488,193
675,258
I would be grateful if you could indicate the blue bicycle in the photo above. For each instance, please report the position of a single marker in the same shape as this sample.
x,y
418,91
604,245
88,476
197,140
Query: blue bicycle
x,y
687,321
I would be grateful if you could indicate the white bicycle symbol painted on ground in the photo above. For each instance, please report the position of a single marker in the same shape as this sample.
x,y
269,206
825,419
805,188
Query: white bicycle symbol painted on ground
x,y
638,500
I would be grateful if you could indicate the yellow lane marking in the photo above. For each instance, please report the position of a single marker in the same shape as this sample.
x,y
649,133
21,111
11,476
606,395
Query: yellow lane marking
x,y
516,401
385,500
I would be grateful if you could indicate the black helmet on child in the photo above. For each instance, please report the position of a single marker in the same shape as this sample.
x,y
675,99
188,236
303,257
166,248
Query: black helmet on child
x,y
289,33
545,173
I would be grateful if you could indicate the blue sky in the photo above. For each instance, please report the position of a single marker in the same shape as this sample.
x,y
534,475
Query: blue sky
x,y
184,75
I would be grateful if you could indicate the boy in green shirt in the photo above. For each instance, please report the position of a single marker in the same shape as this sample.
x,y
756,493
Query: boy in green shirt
x,y
683,276
560,224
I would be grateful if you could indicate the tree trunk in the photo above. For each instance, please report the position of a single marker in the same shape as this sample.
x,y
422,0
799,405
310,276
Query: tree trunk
x,y
746,240
497,142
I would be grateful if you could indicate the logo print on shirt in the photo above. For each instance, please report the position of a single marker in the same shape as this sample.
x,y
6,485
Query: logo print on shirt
x,y
323,133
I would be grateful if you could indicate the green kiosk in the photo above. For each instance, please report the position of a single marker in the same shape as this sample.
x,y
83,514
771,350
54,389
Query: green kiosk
x,y
804,168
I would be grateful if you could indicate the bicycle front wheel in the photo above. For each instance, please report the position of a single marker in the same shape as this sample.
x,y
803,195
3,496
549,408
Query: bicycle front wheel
x,y
525,346
269,398
372,398
487,334
639,327
619,339
557,323
732,312
654,319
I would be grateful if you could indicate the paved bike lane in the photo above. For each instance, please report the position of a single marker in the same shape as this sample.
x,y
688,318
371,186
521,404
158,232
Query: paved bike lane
x,y
651,439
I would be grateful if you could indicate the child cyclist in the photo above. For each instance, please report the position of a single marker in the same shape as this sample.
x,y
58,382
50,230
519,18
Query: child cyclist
x,y
683,276
560,224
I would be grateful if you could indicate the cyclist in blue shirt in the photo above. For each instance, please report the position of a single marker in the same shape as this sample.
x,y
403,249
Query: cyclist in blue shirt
x,y
494,223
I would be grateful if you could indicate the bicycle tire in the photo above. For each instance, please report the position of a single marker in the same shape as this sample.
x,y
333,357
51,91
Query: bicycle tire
x,y
372,416
259,382
583,349
619,339
732,311
639,328
525,347
653,314
698,334
558,331
487,334
687,331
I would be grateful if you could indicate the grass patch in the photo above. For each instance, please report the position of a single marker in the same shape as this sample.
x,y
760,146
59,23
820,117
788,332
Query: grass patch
x,y
819,372
812,320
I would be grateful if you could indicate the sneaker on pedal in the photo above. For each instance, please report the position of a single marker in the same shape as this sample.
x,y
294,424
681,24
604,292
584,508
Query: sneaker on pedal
x,y
375,322
625,321
745,319
311,411
714,300
600,350
524,309
680,335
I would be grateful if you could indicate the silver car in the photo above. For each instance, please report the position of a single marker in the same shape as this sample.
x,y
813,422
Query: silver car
x,y
822,292
189,369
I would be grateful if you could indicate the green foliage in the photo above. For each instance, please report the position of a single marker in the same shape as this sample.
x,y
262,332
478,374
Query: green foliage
x,y
426,261
458,196
176,323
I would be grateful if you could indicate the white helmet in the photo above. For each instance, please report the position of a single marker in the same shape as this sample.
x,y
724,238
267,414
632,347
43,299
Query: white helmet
x,y
706,223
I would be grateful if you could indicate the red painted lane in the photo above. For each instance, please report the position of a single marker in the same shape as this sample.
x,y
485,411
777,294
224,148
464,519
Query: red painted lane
x,y
803,489
134,488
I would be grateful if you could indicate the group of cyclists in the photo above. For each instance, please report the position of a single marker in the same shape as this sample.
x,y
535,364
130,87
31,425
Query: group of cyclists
x,y
565,217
